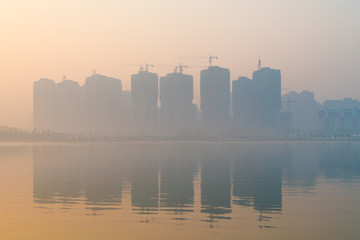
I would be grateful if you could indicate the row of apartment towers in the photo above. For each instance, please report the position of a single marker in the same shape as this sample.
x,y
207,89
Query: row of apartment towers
x,y
101,107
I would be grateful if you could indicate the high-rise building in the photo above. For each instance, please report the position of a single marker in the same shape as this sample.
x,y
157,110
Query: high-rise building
x,y
256,103
340,116
178,113
144,98
268,84
215,96
69,106
244,103
103,105
126,113
303,108
44,104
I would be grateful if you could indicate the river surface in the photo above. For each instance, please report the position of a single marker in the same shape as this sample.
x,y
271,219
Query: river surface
x,y
190,190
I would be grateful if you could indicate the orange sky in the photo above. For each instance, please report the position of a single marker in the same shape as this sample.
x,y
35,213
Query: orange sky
x,y
314,43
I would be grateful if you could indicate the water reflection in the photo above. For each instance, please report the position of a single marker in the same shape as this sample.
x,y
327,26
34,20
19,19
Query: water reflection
x,y
215,181
257,177
177,171
187,180
145,184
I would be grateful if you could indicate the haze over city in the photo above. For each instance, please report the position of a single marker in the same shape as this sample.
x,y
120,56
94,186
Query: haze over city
x,y
314,43
163,119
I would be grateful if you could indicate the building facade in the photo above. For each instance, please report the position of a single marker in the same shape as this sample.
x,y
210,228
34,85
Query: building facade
x,y
340,116
304,109
103,105
178,113
268,88
144,98
215,96
244,103
44,104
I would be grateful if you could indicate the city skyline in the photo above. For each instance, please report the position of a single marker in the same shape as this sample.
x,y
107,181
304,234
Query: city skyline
x,y
165,106
158,106
318,52
192,119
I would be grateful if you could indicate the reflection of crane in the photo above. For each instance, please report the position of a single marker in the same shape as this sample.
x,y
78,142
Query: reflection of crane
x,y
210,57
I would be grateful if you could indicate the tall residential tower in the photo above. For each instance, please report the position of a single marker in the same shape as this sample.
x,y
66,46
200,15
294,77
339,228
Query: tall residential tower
x,y
178,113
215,96
144,98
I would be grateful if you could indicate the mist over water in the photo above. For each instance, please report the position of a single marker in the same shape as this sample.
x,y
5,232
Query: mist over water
x,y
116,121
158,190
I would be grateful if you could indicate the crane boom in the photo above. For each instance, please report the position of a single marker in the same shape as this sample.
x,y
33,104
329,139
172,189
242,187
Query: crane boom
x,y
210,57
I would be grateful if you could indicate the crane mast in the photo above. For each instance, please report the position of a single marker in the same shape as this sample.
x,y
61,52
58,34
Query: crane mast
x,y
211,58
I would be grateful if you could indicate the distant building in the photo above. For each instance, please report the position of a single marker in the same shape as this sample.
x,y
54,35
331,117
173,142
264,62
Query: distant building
x,y
256,103
126,113
144,96
215,96
341,116
178,113
69,107
268,84
44,93
286,121
304,109
103,105
245,102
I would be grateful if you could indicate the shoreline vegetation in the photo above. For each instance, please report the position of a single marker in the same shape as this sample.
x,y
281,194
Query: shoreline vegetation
x,y
8,134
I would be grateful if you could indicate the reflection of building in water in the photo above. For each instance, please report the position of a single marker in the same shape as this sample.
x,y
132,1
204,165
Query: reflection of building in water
x,y
178,168
340,160
58,175
257,179
215,181
144,185
69,174
302,168
96,176
104,176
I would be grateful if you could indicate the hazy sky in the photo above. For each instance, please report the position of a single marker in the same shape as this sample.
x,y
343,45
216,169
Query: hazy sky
x,y
315,43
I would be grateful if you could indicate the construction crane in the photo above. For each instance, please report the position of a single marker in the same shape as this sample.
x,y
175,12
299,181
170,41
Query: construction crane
x,y
259,64
210,57
146,65
180,68
177,68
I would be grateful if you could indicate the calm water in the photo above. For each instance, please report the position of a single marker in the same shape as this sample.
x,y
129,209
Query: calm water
x,y
180,191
